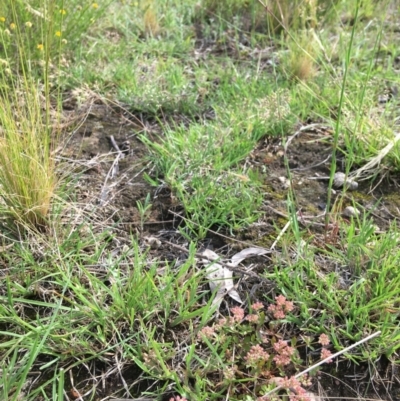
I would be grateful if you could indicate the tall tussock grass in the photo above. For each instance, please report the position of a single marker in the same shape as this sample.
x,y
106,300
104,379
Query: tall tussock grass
x,y
35,37
27,170
27,119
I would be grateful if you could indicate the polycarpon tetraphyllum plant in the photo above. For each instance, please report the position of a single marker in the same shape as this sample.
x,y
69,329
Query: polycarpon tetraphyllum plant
x,y
260,354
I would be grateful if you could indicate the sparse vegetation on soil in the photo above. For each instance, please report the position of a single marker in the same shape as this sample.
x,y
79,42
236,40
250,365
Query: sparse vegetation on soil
x,y
199,200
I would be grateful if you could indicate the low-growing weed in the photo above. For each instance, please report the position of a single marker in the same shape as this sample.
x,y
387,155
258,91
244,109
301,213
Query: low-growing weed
x,y
352,285
247,357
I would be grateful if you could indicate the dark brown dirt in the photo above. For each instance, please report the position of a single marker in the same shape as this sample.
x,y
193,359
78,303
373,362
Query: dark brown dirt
x,y
91,155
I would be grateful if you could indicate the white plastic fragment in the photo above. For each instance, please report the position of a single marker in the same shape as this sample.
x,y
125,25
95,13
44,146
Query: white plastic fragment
x,y
220,278
246,253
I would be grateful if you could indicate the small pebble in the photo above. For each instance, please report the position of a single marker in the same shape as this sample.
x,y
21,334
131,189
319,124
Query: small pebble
x,y
285,182
152,242
350,211
340,180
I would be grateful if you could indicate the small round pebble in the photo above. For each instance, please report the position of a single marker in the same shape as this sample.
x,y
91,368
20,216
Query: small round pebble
x,y
350,211
340,180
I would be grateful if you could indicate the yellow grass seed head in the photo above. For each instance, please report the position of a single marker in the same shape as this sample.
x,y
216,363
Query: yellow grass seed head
x,y
151,24
303,67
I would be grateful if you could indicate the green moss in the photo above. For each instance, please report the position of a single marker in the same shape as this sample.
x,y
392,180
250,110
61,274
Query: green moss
x,y
311,208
